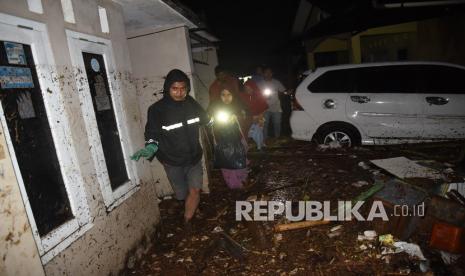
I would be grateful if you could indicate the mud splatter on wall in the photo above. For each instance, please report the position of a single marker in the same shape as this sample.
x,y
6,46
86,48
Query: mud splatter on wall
x,y
18,251
2,153
103,248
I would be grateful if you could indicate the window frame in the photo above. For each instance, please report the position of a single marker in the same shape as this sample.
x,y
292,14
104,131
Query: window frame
x,y
35,34
78,43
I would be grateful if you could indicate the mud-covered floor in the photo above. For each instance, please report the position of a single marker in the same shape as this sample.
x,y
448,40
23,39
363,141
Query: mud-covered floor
x,y
292,171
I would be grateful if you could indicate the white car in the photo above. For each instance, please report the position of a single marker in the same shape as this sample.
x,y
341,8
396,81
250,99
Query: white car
x,y
381,103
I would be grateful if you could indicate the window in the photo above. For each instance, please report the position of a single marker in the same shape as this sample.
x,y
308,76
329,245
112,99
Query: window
x,y
441,79
68,13
106,120
26,118
35,6
102,12
31,112
386,79
331,58
103,112
335,81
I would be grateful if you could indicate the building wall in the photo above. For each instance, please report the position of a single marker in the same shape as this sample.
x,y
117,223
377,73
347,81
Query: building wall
x,y
204,73
437,39
442,39
368,44
104,248
18,251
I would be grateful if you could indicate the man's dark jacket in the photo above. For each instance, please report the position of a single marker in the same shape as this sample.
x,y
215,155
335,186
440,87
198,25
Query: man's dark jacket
x,y
174,125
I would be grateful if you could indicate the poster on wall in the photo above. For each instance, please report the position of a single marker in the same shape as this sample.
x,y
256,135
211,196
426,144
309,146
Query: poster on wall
x,y
25,106
15,77
15,53
102,100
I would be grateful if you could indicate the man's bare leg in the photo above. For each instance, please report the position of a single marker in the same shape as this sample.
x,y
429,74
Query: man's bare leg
x,y
192,201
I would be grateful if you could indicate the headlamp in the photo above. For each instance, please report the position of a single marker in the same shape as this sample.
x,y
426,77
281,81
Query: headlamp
x,y
222,116
267,92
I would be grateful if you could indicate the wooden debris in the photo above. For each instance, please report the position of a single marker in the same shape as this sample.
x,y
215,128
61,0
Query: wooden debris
x,y
299,225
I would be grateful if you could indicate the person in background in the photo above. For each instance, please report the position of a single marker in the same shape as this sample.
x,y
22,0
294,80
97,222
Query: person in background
x,y
271,89
223,79
256,104
227,113
257,77
172,135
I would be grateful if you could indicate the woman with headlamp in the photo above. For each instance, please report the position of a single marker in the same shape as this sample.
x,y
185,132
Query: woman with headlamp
x,y
230,144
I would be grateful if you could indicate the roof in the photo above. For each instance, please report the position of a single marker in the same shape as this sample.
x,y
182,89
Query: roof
x,y
353,16
148,15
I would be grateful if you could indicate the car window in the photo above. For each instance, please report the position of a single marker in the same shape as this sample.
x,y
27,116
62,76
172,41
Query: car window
x,y
439,79
386,79
335,81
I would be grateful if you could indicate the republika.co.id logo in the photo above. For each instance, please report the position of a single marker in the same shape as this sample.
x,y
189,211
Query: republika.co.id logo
x,y
316,210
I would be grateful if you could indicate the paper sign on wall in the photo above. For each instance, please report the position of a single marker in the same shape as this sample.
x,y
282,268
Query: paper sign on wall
x,y
101,98
15,77
15,53
25,106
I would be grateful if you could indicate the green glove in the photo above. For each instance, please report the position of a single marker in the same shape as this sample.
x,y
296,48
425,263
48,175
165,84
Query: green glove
x,y
148,152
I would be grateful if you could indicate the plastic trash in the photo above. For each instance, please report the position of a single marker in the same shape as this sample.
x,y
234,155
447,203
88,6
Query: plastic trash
x,y
387,240
411,249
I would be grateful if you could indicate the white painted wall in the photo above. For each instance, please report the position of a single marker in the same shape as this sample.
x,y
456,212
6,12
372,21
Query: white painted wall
x,y
103,249
204,74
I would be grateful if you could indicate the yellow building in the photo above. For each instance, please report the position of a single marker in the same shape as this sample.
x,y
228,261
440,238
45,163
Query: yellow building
x,y
438,39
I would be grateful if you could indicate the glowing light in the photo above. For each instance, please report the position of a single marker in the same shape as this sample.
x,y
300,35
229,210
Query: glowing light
x,y
222,117
267,92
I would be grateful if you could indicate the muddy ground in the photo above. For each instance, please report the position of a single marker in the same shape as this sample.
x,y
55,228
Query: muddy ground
x,y
291,170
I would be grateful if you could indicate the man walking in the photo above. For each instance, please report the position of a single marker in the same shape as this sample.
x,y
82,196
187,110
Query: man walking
x,y
223,79
172,135
272,88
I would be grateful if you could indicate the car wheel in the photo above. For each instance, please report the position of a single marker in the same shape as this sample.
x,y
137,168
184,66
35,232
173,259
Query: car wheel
x,y
338,136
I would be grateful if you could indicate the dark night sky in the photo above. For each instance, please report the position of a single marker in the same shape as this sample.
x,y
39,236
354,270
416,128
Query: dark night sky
x,y
251,32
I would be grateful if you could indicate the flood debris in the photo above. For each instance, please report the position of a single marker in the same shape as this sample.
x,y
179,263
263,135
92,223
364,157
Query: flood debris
x,y
386,240
411,249
299,225
335,231
448,237
368,235
220,245
403,167
360,183
456,196
449,258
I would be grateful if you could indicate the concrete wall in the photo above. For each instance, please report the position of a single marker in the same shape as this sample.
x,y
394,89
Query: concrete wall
x,y
204,73
437,39
153,53
103,249
442,39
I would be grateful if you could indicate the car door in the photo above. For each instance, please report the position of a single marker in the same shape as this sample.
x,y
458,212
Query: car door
x,y
324,95
384,103
443,98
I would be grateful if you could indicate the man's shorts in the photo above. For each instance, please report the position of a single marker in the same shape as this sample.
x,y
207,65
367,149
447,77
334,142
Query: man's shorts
x,y
185,177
